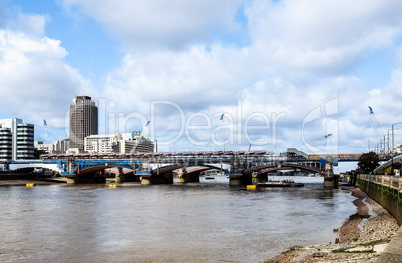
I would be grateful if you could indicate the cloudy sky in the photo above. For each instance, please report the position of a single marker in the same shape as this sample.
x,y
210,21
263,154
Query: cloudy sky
x,y
285,73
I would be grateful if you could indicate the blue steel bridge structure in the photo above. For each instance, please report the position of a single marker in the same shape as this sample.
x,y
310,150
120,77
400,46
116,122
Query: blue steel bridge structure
x,y
157,168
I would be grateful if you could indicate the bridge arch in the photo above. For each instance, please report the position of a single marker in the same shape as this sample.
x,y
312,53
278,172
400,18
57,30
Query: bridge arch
x,y
29,167
94,169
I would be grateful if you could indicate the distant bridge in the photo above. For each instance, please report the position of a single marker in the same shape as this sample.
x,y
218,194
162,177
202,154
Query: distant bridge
x,y
151,167
353,157
155,168
390,165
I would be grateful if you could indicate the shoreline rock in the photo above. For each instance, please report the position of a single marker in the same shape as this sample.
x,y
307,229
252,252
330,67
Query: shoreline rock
x,y
362,237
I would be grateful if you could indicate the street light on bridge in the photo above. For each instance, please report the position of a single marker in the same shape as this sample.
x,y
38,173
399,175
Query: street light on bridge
x,y
392,160
381,145
389,151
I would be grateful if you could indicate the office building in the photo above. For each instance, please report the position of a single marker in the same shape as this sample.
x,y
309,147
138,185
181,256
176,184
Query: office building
x,y
119,143
17,137
58,147
6,144
61,146
83,121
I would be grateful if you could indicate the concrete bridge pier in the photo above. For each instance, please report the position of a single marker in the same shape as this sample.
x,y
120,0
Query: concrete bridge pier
x,y
151,179
258,178
184,177
146,177
330,179
92,178
120,176
239,179
71,179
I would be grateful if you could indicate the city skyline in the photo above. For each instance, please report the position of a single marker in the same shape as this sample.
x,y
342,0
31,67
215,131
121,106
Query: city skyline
x,y
284,73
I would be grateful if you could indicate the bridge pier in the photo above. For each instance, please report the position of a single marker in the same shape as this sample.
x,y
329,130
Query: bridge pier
x,y
147,178
330,179
258,178
120,176
239,179
184,177
86,179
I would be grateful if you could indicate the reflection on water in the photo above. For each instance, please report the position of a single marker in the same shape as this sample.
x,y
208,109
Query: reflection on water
x,y
207,221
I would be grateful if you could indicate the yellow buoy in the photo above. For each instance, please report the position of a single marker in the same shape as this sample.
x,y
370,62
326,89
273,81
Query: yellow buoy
x,y
112,185
30,185
251,187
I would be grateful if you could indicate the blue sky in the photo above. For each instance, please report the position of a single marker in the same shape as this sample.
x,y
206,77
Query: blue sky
x,y
284,72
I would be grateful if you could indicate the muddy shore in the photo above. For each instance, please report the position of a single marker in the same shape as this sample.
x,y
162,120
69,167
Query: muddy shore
x,y
362,237
23,182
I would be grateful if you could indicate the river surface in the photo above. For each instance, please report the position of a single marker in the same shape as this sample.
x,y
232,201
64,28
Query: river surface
x,y
200,222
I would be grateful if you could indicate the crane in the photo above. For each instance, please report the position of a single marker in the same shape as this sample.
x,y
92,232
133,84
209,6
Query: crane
x,y
319,140
377,128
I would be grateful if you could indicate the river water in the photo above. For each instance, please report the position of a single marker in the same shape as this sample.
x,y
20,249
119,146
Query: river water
x,y
201,222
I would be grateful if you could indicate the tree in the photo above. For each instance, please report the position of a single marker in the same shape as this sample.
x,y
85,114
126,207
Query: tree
x,y
368,162
38,153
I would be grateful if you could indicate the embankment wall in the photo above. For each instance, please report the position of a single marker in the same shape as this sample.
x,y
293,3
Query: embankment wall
x,y
385,192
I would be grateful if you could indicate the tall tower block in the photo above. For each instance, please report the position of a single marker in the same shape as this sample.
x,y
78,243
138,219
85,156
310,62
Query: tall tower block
x,y
83,121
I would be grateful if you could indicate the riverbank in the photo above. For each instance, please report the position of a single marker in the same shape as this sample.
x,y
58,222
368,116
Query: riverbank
x,y
362,237
41,181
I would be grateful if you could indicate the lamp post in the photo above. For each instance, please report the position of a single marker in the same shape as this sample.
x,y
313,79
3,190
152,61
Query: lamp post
x,y
392,160
389,151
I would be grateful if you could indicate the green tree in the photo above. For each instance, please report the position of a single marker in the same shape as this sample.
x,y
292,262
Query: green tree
x,y
368,162
38,153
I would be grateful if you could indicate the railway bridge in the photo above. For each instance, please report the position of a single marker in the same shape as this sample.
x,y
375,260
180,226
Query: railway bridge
x,y
157,168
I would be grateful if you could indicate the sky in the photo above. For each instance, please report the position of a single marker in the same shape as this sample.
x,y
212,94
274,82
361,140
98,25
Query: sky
x,y
209,75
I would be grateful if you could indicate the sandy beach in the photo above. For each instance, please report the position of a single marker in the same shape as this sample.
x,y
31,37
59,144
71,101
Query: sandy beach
x,y
362,237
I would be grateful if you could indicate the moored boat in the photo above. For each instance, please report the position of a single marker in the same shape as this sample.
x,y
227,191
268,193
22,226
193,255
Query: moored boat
x,y
282,183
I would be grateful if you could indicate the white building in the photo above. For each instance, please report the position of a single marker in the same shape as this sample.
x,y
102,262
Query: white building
x,y
17,137
100,144
55,148
61,146
39,145
119,143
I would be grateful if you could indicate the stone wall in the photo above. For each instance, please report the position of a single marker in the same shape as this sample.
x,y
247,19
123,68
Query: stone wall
x,y
385,190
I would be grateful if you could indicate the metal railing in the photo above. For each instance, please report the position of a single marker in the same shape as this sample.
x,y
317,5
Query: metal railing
x,y
385,180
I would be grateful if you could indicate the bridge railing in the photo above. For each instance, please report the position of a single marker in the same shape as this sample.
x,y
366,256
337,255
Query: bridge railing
x,y
386,180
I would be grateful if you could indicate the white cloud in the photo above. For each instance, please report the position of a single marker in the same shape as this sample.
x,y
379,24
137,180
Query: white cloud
x,y
30,24
301,55
161,23
320,35
34,81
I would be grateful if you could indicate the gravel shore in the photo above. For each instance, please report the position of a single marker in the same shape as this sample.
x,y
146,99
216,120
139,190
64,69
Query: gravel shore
x,y
362,237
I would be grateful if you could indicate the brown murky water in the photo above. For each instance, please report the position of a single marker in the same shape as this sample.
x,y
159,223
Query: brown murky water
x,y
204,222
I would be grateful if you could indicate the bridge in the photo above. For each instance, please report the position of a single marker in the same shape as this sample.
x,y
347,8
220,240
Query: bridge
x,y
347,157
391,166
158,168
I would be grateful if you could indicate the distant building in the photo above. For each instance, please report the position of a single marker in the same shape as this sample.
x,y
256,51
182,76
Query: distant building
x,y
16,140
61,146
100,144
119,143
39,145
58,147
293,154
6,144
83,121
